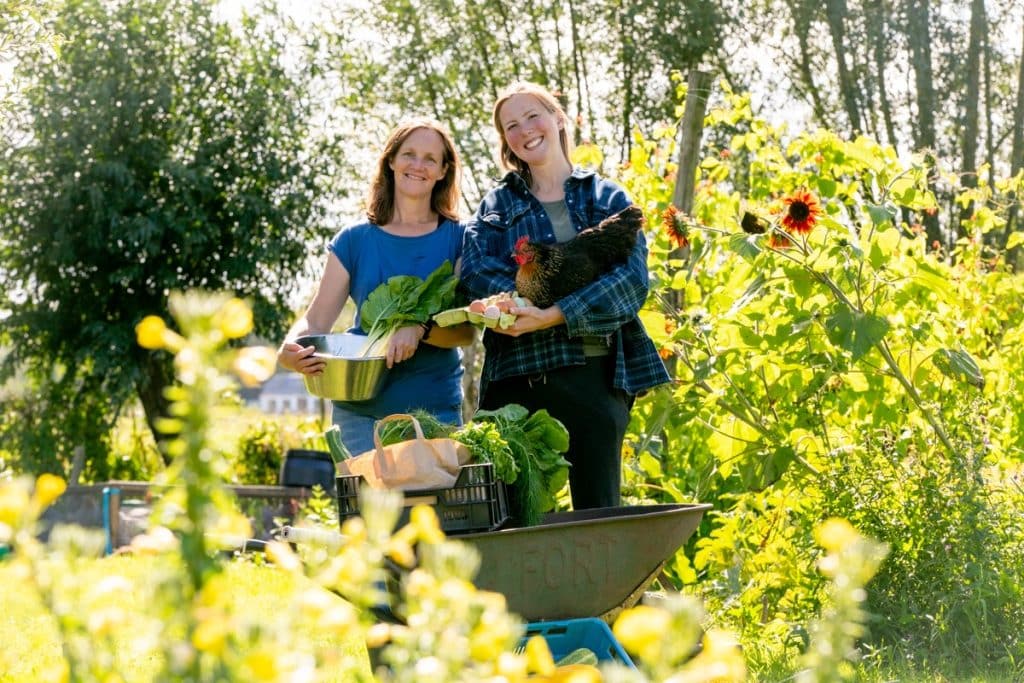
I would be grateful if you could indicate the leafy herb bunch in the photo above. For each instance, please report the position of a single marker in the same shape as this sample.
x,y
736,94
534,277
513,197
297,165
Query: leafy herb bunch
x,y
405,300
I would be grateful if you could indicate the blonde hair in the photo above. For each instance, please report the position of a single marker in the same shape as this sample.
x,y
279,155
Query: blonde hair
x,y
508,158
444,198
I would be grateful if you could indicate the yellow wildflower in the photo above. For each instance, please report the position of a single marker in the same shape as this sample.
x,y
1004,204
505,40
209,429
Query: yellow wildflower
x,y
235,319
401,552
642,629
836,534
49,488
720,661
538,656
262,665
255,364
150,332
511,667
424,519
378,635
283,556
103,621
354,529
13,503
211,634
577,673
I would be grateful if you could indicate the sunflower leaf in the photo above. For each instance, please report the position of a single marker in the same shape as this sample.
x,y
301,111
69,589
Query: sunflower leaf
x,y
854,331
744,245
959,365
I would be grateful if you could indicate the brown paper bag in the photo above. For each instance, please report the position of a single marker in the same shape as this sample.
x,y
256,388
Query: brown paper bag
x,y
419,463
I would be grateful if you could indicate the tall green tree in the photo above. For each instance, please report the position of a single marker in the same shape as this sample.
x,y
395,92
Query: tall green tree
x,y
611,62
22,30
167,151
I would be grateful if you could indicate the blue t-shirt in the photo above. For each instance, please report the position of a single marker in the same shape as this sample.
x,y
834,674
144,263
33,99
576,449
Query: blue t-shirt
x,y
432,379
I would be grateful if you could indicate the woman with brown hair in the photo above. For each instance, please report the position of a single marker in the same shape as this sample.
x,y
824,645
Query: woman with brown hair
x,y
411,228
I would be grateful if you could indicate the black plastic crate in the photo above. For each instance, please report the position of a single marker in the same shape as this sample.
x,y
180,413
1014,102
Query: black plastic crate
x,y
477,502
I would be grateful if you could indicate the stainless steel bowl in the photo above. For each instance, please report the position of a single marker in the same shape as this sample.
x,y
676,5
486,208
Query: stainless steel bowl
x,y
347,375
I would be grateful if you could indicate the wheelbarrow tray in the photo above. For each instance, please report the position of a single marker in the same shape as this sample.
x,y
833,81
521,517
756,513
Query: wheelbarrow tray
x,y
589,563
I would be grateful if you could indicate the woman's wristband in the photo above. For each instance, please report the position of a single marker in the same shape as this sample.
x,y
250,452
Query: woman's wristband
x,y
427,327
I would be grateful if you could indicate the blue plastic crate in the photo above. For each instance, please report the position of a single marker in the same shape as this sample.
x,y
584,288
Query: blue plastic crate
x,y
590,632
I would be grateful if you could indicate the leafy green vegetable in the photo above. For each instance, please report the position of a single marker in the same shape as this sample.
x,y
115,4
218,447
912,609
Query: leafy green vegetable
x,y
486,444
404,300
536,443
402,430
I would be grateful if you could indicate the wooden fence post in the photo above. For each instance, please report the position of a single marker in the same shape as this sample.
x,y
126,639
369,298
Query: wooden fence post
x,y
77,465
691,130
698,87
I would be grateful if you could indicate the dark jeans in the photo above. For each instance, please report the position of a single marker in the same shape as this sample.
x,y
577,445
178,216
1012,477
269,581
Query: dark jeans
x,y
595,413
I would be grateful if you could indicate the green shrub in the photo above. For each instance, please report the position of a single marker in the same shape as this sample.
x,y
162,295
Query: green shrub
x,y
952,587
262,446
259,454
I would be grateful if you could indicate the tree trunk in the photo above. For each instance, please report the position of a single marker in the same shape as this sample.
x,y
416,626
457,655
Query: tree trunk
x,y
577,70
541,53
918,32
878,34
506,32
990,143
156,376
804,64
835,12
969,143
627,85
1016,149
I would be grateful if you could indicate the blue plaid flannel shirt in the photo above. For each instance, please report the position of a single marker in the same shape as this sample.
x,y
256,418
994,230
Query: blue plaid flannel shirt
x,y
607,307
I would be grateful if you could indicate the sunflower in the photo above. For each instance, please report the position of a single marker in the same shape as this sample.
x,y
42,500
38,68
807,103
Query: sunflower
x,y
802,212
752,225
674,222
778,240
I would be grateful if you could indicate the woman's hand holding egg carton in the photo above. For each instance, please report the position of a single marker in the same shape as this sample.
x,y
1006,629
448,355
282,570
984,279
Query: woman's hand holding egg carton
x,y
492,311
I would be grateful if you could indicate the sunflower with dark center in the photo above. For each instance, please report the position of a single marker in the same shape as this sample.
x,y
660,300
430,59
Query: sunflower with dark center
x,y
802,212
674,222
752,225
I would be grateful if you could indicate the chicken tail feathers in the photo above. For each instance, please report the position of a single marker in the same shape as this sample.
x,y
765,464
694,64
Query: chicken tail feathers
x,y
615,236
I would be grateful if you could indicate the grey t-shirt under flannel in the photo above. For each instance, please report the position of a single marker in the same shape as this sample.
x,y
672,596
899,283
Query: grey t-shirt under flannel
x,y
558,214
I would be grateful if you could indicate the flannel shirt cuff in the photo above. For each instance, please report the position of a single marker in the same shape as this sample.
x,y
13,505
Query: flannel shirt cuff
x,y
574,311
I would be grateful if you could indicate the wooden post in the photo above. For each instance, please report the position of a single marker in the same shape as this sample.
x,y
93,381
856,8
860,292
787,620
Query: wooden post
x,y
77,464
691,130
698,87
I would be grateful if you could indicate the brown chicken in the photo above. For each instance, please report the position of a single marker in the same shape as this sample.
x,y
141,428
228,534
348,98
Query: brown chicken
x,y
548,272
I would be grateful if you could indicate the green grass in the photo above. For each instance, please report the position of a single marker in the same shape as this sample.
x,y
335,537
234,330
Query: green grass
x,y
951,674
888,669
29,634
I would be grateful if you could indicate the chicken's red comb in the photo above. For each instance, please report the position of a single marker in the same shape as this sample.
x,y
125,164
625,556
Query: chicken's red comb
x,y
519,254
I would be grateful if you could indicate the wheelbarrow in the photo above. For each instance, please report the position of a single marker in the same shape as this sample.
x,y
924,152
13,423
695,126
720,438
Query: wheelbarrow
x,y
574,572
588,563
